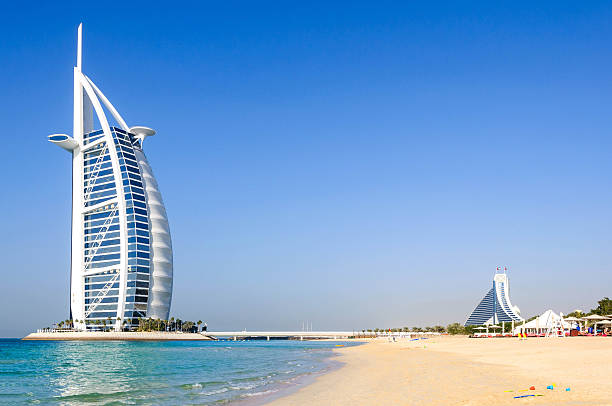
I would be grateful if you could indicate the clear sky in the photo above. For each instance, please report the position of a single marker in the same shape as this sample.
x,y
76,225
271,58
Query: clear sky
x,y
356,165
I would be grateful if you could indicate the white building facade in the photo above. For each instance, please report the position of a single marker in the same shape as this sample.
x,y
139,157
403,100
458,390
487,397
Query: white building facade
x,y
495,307
121,261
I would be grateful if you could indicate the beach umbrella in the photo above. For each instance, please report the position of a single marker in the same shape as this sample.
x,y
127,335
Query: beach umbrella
x,y
605,322
480,328
595,318
494,326
572,319
584,323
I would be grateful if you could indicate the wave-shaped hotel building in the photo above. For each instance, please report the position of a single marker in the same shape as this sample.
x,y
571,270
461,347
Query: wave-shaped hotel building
x,y
495,307
121,265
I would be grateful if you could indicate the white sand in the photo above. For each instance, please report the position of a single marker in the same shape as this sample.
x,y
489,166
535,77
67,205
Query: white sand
x,y
463,371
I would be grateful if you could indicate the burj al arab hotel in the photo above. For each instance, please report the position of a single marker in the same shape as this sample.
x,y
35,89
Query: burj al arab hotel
x,y
121,265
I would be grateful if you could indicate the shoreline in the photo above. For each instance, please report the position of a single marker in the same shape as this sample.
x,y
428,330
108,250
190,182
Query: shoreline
x,y
284,390
332,363
115,336
462,371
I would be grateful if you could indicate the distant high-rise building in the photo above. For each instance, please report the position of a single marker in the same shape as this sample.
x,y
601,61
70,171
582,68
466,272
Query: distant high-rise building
x,y
495,307
121,265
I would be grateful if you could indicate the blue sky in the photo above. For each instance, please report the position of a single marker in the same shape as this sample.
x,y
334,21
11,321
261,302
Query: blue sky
x,y
356,165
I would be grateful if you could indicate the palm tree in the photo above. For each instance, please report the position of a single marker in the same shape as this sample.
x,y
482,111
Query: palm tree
x,y
171,323
199,324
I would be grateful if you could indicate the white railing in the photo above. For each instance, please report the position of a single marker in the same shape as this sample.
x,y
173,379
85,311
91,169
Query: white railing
x,y
97,241
100,296
93,173
56,330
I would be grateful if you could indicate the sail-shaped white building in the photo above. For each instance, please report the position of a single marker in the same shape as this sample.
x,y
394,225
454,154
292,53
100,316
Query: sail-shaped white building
x,y
121,265
495,307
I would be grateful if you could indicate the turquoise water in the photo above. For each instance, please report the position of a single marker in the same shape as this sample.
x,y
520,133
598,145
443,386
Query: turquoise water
x,y
143,373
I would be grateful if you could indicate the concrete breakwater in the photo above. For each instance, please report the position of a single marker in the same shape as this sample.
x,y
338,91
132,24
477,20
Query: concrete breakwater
x,y
116,335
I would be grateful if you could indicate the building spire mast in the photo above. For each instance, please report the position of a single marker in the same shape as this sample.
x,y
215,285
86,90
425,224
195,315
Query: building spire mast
x,y
80,46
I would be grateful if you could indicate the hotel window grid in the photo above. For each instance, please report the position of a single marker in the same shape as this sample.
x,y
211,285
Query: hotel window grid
x,y
101,228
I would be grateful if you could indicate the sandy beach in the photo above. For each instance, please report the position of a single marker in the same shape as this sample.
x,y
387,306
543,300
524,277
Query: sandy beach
x,y
462,371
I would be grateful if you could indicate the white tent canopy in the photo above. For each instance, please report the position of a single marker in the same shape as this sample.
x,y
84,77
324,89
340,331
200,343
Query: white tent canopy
x,y
545,321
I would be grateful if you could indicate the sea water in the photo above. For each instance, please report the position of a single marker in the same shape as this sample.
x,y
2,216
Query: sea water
x,y
164,373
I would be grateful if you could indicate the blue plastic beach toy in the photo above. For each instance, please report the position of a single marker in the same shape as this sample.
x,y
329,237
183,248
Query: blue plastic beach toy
x,y
550,387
